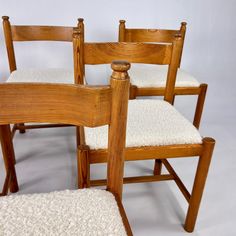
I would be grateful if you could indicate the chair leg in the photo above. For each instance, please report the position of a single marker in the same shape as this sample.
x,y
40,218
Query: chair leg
x,y
8,155
83,167
173,100
78,142
199,106
158,163
21,126
199,183
157,167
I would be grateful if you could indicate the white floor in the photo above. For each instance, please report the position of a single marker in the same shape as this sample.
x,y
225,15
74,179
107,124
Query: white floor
x,y
46,162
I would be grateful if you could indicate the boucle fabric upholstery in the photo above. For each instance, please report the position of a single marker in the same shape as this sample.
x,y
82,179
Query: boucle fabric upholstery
x,y
79,212
50,75
150,123
143,75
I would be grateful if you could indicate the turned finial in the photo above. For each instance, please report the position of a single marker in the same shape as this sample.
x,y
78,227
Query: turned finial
x,y
122,21
120,66
80,20
5,17
120,69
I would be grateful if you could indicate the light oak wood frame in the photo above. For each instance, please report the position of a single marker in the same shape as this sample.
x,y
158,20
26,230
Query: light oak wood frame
x,y
163,36
102,53
77,105
22,33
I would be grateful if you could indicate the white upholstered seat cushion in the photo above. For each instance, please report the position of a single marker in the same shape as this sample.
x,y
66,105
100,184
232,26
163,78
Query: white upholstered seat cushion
x,y
70,212
150,123
50,75
143,75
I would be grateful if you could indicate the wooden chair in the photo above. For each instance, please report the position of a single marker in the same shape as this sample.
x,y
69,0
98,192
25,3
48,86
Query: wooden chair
x,y
78,212
22,33
155,129
150,80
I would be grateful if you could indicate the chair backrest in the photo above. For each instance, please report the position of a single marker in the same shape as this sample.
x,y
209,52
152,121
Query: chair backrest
x,y
77,105
104,53
33,33
151,35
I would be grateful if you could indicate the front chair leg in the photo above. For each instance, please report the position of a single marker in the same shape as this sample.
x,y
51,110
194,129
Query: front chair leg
x,y
83,167
199,183
8,156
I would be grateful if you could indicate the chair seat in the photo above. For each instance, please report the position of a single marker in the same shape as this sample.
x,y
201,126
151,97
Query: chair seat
x,y
150,123
143,75
51,75
77,212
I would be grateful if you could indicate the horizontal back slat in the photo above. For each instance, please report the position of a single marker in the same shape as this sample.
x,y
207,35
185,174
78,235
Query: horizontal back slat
x,y
150,35
54,103
104,53
41,33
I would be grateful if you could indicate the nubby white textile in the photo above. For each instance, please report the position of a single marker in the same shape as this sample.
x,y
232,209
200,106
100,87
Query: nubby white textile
x,y
86,212
51,75
143,75
150,123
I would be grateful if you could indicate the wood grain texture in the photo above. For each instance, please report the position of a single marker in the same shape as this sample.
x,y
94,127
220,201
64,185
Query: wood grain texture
x,y
116,146
150,152
41,33
9,43
104,53
78,49
151,35
151,91
54,103
172,70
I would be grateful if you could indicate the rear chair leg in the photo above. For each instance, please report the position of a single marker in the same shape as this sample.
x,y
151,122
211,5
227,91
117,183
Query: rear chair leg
x,y
199,106
158,163
157,167
199,183
22,129
83,167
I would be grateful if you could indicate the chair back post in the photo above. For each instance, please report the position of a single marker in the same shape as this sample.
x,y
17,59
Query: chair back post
x,y
80,25
78,44
173,68
182,32
117,129
81,29
122,31
9,43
